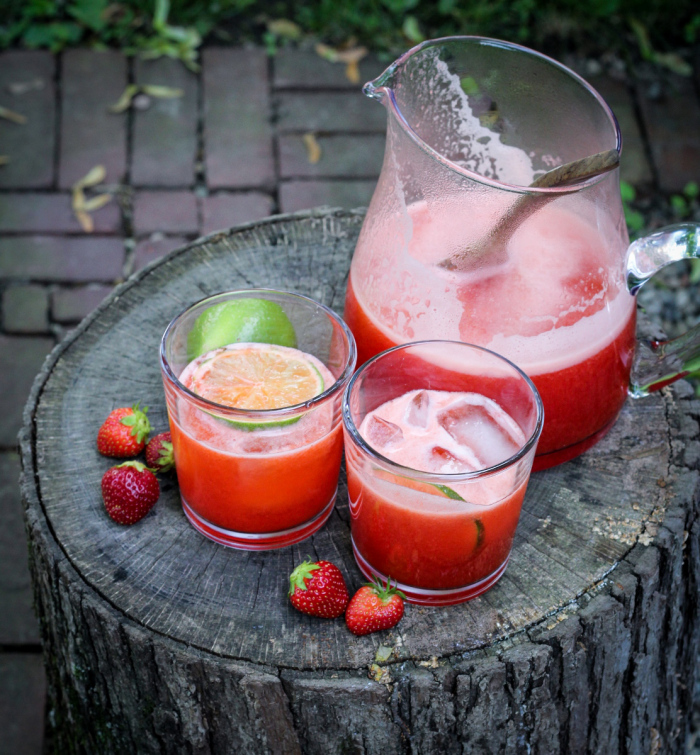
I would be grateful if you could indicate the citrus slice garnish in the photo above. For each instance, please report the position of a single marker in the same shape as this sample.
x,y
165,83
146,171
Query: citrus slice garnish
x,y
257,376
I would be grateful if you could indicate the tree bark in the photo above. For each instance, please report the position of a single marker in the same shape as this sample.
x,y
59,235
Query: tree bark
x,y
157,640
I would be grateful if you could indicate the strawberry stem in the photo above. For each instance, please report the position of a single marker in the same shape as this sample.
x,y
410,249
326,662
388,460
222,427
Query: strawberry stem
x,y
138,422
297,579
137,465
384,592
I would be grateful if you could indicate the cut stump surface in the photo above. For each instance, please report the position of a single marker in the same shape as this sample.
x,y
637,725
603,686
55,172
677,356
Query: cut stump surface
x,y
158,640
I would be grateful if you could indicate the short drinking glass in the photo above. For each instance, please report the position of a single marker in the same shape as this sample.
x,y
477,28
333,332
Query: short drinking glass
x,y
440,438
256,479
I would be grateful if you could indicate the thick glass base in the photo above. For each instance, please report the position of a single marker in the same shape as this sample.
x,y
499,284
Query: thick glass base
x,y
553,458
247,541
424,597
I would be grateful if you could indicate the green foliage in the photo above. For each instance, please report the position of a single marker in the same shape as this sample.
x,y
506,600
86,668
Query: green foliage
x,y
172,41
633,218
175,28
684,205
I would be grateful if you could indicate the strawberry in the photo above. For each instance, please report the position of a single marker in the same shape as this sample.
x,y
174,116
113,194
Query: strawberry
x,y
129,491
159,453
318,588
124,433
374,607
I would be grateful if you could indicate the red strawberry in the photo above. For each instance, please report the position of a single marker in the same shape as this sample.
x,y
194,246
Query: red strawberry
x,y
129,491
318,589
159,453
124,433
374,607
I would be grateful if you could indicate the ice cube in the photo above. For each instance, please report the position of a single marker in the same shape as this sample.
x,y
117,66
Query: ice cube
x,y
418,410
380,433
474,426
442,460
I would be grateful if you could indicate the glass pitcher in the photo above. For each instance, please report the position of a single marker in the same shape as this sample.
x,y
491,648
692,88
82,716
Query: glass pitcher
x,y
457,244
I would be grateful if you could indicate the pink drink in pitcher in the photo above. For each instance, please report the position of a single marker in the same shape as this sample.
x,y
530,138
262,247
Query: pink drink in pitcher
x,y
556,307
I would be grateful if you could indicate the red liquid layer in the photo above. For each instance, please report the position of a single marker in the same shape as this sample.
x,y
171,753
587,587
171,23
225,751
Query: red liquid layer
x,y
257,493
579,401
435,547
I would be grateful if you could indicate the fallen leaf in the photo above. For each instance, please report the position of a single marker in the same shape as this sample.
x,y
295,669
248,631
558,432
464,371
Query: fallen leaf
x,y
85,220
674,63
162,92
133,92
326,52
352,72
383,654
93,177
379,674
82,207
78,200
351,55
97,202
313,148
22,87
124,101
10,115
281,27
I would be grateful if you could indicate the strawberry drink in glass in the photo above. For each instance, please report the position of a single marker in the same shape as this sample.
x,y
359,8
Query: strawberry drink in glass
x,y
253,383
440,437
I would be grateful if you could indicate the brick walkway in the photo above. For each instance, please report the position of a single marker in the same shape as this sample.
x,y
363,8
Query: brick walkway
x,y
230,150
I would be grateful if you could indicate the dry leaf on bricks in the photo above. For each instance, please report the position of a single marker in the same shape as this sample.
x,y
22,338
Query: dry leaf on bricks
x,y
152,90
82,205
10,115
351,56
313,148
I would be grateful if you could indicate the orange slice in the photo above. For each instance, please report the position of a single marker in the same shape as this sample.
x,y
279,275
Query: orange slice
x,y
257,376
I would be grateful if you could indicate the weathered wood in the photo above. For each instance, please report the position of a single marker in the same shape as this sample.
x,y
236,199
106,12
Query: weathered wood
x,y
157,640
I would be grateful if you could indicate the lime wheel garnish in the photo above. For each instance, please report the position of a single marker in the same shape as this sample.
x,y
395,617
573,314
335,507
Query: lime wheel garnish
x,y
257,376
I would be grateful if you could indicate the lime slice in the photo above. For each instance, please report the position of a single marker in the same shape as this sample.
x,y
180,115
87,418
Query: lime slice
x,y
476,535
257,377
240,321
431,488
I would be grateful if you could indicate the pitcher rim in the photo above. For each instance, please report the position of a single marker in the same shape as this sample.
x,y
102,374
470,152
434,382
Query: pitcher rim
x,y
370,89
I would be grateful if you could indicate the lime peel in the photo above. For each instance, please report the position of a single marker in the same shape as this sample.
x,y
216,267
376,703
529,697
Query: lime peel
x,y
248,320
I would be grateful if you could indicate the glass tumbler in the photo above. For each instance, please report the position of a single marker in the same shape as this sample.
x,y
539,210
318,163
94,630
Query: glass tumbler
x,y
257,480
443,536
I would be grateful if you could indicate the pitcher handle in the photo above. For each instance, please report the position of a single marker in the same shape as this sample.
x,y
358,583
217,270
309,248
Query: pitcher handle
x,y
658,363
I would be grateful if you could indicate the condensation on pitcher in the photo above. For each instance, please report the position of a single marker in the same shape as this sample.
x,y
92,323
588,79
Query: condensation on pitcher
x,y
481,150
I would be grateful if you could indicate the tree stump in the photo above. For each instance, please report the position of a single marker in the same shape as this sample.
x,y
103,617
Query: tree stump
x,y
159,641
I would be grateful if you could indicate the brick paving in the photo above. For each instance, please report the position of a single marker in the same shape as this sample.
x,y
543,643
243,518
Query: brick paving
x,y
230,150
30,147
165,138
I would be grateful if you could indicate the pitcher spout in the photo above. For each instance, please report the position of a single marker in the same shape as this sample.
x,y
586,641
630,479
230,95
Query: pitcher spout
x,y
378,88
371,90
